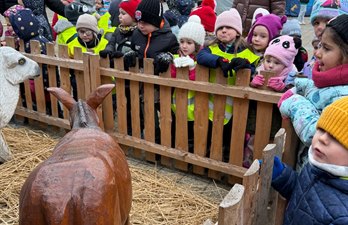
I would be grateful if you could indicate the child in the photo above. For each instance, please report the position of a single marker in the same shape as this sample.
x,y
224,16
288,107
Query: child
x,y
279,58
302,12
304,103
120,41
9,30
308,66
293,28
191,39
229,52
319,193
264,30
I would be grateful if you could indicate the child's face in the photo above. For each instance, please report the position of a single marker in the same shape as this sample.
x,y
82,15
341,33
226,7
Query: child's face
x,y
260,38
98,4
326,149
319,26
8,24
85,34
226,35
315,45
273,64
125,18
329,54
146,28
187,46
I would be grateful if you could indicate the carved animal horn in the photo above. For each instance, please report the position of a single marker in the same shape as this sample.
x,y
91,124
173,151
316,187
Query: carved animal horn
x,y
97,97
64,97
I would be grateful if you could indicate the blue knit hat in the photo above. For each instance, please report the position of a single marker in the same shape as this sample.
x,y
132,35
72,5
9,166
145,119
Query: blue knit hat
x,y
291,28
328,9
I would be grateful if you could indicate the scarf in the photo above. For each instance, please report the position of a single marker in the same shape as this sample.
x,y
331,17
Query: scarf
x,y
90,44
125,29
332,77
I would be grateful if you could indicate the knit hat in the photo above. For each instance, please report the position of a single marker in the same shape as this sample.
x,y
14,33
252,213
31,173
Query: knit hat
x,y
193,29
13,10
263,11
272,22
25,24
334,120
339,24
292,27
87,21
150,11
326,9
229,18
129,6
74,10
207,14
283,48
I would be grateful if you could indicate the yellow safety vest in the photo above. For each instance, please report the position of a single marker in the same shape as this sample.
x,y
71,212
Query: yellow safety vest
x,y
105,23
67,35
190,101
75,43
231,79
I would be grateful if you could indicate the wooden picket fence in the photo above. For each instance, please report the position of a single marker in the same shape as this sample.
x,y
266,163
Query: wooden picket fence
x,y
91,71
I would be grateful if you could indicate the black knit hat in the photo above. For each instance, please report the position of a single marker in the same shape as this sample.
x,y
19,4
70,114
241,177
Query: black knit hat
x,y
339,24
150,11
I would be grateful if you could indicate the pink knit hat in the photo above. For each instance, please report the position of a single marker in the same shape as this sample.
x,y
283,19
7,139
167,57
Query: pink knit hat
x,y
283,48
229,18
271,22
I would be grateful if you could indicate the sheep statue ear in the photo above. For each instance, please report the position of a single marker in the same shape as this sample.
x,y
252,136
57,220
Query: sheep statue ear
x,y
298,42
283,19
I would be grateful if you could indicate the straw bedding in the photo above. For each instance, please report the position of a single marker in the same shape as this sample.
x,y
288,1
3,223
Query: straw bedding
x,y
157,198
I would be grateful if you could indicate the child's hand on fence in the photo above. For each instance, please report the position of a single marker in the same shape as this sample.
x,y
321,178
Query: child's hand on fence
x,y
278,167
257,81
104,53
184,61
239,63
130,59
224,65
285,96
276,83
116,54
162,61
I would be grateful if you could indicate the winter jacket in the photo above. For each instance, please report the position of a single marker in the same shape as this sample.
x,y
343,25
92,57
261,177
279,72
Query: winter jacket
x,y
305,107
39,10
315,196
148,46
247,8
120,41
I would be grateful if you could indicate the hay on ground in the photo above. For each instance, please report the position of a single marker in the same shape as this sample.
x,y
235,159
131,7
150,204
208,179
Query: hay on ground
x,y
157,198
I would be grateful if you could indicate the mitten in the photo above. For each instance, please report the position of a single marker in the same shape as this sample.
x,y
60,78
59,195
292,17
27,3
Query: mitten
x,y
276,83
161,62
184,61
278,167
285,96
104,53
257,81
239,63
116,54
224,65
129,59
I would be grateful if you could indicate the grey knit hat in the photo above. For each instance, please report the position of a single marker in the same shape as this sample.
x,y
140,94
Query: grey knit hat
x,y
87,21
339,24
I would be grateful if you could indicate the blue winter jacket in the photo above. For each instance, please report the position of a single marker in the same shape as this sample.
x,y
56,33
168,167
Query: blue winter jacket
x,y
315,197
305,107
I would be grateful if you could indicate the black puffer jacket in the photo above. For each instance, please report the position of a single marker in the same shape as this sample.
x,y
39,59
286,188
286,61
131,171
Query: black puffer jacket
x,y
246,9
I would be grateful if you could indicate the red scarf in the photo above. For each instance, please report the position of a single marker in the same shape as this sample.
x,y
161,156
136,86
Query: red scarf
x,y
332,77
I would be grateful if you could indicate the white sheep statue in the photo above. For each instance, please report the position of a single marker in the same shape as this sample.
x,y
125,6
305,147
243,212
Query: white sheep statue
x,y
14,69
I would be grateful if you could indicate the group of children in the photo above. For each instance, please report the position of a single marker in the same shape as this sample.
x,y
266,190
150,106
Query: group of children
x,y
310,103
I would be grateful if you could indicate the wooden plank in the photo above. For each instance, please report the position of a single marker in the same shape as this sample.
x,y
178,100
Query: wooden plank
x,y
218,125
64,76
181,131
263,127
265,184
149,109
80,81
201,118
121,101
39,85
166,118
231,208
52,74
108,114
267,75
251,183
291,143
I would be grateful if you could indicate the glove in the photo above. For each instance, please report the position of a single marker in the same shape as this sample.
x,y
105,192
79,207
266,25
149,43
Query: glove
x,y
116,54
239,63
276,84
224,65
278,167
161,62
129,59
104,53
184,61
285,96
257,81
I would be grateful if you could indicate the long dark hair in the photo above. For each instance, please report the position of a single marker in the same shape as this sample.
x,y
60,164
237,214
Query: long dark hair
x,y
336,38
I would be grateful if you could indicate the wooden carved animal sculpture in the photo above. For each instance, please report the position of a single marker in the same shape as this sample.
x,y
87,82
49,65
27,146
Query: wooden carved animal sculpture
x,y
14,69
86,180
